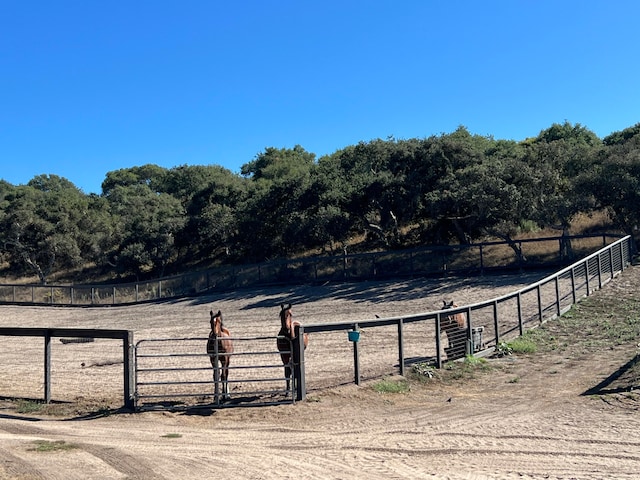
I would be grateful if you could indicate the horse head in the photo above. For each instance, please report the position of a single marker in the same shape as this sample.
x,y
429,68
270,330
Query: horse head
x,y
285,311
216,323
458,319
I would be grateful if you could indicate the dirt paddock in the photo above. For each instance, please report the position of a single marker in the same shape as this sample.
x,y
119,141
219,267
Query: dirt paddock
x,y
527,419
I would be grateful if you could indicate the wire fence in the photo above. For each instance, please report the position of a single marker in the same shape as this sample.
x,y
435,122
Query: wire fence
x,y
391,344
548,252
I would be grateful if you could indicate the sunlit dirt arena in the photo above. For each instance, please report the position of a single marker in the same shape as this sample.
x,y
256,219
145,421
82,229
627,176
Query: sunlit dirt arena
x,y
539,426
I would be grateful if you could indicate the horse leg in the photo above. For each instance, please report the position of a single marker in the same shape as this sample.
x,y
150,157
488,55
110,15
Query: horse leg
x,y
216,379
286,358
225,383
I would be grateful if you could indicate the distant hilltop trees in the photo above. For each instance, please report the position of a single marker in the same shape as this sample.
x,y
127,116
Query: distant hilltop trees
x,y
451,188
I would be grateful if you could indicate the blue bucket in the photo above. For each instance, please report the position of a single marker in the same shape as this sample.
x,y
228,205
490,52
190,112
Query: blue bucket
x,y
354,335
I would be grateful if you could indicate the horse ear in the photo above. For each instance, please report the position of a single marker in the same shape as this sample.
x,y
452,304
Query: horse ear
x,y
211,312
282,306
444,303
219,314
289,307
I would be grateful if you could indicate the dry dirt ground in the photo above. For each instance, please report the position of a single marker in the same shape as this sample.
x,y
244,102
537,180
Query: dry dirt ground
x,y
524,417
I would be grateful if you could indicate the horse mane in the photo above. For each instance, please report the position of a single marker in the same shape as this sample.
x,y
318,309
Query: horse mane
x,y
283,310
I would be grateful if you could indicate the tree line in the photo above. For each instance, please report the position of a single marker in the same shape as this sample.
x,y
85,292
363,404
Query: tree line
x,y
450,188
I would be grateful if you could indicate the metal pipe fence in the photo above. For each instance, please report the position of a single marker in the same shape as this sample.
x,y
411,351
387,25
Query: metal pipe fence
x,y
168,369
434,260
488,322
79,335
175,369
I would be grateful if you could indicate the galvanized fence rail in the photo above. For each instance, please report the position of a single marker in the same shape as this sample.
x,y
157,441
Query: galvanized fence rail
x,y
173,370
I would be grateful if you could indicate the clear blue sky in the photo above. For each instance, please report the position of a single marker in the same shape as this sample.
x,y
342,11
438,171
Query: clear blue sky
x,y
87,87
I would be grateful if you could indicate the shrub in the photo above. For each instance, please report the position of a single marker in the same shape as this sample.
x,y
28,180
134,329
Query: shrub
x,y
523,345
391,386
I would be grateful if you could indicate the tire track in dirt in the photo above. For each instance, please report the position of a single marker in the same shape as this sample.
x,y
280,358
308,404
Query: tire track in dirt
x,y
13,467
132,466
127,465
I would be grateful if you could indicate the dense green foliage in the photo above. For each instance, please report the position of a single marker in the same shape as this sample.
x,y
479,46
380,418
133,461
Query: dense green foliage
x,y
454,187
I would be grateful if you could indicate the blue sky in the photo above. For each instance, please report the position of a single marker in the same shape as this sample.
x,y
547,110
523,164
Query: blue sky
x,y
88,87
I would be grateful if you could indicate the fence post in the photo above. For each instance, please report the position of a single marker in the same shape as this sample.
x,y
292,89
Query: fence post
x,y
520,325
539,303
599,271
400,347
129,370
298,364
557,296
47,367
356,359
573,285
519,255
470,348
438,341
495,322
611,260
216,374
344,263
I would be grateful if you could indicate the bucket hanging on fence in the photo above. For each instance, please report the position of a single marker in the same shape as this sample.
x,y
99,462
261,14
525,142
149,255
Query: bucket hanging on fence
x,y
354,335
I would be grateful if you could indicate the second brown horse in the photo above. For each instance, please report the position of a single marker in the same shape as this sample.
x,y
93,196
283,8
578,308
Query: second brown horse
x,y
219,339
285,337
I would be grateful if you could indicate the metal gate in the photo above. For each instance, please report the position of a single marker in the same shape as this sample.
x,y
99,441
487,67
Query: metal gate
x,y
177,372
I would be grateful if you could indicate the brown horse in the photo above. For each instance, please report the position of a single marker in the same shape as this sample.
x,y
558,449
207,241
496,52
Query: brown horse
x,y
455,326
285,337
220,337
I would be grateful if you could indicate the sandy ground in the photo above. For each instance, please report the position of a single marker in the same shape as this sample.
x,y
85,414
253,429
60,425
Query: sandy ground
x,y
527,419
